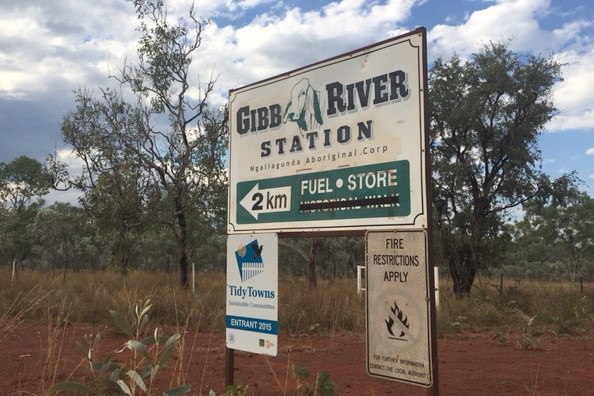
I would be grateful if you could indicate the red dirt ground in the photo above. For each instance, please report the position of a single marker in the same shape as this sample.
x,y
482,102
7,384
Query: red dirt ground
x,y
35,355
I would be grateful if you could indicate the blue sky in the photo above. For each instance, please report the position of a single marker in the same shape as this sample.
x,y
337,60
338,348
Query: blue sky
x,y
48,49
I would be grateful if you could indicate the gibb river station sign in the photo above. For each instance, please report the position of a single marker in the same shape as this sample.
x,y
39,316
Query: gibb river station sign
x,y
339,147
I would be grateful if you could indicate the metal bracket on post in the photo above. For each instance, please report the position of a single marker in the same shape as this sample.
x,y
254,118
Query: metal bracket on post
x,y
360,279
436,285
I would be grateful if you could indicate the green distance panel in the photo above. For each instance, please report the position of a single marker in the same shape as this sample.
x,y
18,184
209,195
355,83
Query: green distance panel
x,y
371,191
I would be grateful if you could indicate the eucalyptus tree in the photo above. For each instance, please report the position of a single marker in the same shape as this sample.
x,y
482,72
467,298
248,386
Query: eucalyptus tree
x,y
558,228
16,243
118,204
166,137
307,249
21,180
64,239
486,115
329,257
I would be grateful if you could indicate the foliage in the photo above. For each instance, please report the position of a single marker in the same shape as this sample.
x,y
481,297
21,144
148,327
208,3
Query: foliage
x,y
158,160
330,258
148,357
231,390
584,308
323,386
486,114
16,244
557,228
64,238
21,180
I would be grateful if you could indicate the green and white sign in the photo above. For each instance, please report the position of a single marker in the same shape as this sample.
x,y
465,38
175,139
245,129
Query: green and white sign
x,y
372,191
337,145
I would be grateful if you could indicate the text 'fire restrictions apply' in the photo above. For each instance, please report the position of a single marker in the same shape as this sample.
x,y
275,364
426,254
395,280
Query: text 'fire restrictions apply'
x,y
398,307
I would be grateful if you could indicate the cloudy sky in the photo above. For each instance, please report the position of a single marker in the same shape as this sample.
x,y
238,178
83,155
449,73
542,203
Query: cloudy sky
x,y
48,49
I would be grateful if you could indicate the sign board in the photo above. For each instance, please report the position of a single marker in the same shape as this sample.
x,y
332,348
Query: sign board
x,y
398,306
337,145
252,293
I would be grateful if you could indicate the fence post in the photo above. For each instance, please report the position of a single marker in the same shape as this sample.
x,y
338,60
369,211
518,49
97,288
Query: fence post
x,y
193,278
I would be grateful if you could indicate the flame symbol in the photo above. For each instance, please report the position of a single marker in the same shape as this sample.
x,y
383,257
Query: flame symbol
x,y
396,317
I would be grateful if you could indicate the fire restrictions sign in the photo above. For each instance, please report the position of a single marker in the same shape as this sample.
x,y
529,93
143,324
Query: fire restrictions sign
x,y
337,145
398,307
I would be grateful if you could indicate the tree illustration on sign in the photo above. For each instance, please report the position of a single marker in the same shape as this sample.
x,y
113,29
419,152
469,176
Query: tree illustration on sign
x,y
304,107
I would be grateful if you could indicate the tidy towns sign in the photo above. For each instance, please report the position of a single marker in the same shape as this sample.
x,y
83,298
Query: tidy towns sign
x,y
337,145
252,293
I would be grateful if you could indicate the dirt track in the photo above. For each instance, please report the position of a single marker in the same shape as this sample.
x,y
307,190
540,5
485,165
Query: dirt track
x,y
473,364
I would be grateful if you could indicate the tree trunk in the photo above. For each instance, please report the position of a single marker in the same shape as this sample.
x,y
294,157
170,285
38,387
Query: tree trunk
x,y
463,272
183,244
64,273
462,266
311,263
309,257
183,269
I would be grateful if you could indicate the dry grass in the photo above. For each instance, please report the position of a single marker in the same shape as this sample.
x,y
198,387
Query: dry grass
x,y
521,306
520,312
545,307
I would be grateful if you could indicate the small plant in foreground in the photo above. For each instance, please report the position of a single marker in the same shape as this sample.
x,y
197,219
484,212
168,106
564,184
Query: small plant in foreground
x,y
527,339
324,386
232,390
148,357
499,337
584,308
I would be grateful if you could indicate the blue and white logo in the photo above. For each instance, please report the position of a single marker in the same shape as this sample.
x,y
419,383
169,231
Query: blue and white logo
x,y
249,260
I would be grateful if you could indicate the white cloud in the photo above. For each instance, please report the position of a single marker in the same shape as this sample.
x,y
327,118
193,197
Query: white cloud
x,y
573,101
590,151
505,20
275,43
568,44
52,45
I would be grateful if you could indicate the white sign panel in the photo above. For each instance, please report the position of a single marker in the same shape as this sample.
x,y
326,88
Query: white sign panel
x,y
252,293
398,307
339,144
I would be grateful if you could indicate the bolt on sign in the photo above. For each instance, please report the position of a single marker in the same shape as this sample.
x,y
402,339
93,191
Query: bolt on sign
x,y
252,293
398,306
336,145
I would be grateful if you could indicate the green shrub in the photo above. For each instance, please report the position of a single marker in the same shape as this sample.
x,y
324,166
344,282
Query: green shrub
x,y
148,357
323,386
